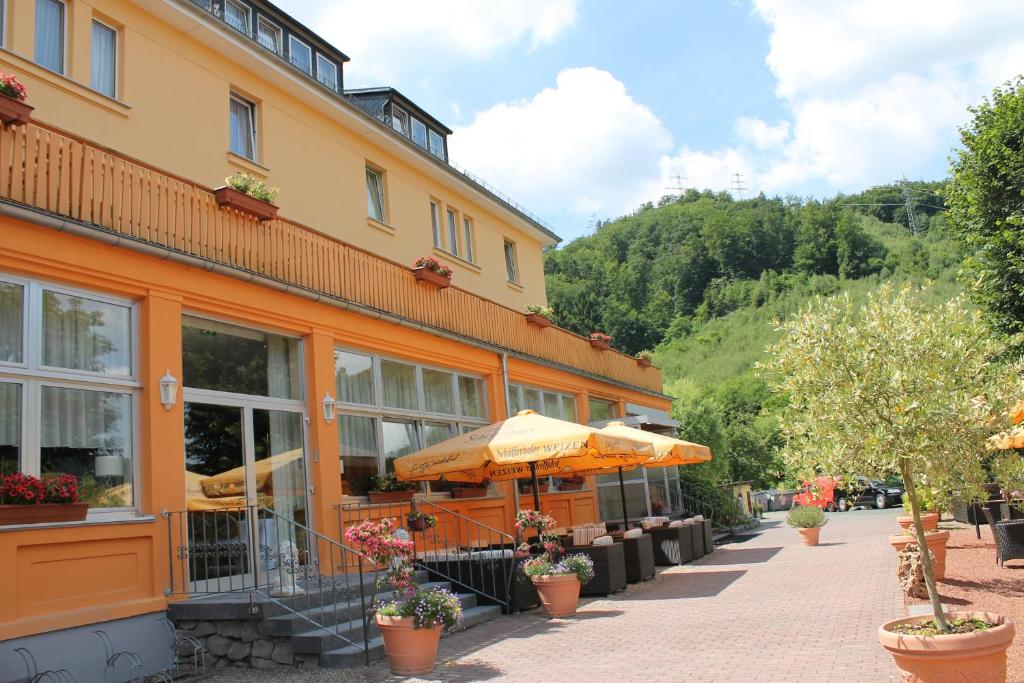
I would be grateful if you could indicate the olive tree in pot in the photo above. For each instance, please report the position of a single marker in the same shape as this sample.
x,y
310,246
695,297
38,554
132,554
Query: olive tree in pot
x,y
899,385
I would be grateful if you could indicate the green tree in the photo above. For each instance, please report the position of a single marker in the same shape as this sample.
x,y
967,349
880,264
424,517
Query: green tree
x,y
893,386
986,203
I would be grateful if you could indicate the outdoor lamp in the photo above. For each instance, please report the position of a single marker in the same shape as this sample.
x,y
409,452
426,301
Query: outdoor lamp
x,y
168,390
329,404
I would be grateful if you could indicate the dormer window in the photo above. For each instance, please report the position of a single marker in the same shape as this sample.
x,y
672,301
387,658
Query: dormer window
x,y
268,35
419,133
400,120
300,54
237,16
326,72
436,145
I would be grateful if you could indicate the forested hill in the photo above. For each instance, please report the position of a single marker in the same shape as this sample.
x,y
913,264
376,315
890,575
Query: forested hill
x,y
701,277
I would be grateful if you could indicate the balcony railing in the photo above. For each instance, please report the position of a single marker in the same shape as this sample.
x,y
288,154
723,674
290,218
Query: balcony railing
x,y
61,174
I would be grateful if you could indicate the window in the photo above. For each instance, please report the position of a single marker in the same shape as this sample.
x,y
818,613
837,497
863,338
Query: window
x,y
237,16
511,268
326,72
389,408
300,54
419,133
547,403
436,145
68,397
375,195
104,59
243,127
435,223
453,233
50,35
268,35
399,120
467,239
601,410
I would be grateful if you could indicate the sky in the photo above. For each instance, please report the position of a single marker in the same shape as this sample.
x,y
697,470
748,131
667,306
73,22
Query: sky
x,y
584,109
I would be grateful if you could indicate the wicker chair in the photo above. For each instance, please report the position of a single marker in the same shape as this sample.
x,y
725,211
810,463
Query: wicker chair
x,y
709,539
672,545
697,539
1009,537
639,554
609,568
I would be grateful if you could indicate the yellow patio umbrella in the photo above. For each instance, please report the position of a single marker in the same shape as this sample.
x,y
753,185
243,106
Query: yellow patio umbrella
x,y
527,444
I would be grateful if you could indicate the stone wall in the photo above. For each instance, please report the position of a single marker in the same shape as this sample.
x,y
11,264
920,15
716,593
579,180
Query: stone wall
x,y
240,643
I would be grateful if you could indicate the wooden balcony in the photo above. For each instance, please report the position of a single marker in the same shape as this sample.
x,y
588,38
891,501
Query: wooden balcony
x,y
59,173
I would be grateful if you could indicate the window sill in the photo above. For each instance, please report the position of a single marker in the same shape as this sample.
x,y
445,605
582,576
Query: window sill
x,y
68,85
383,227
515,286
91,520
247,165
468,265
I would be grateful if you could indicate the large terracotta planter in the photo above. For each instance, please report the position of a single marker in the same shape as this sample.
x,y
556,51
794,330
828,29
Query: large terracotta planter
x,y
411,651
600,344
469,492
979,657
390,496
13,112
538,320
929,520
233,199
42,513
559,593
810,536
431,278
936,543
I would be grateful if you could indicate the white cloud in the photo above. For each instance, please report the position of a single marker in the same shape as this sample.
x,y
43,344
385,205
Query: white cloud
x,y
583,145
388,40
760,134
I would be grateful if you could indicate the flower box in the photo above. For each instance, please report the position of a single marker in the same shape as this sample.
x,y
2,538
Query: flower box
x,y
13,112
600,344
538,320
240,201
644,362
528,488
570,486
42,513
469,492
390,496
428,276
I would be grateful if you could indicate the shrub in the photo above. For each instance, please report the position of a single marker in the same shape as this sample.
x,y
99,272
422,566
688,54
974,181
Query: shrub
x,y
544,311
803,517
646,354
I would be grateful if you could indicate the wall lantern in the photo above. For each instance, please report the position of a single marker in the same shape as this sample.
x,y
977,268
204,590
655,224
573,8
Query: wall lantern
x,y
168,390
328,404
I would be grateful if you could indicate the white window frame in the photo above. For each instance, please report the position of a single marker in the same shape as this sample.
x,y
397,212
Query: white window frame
x,y
246,11
252,126
32,375
431,135
413,122
117,57
381,192
275,30
451,224
399,114
511,265
321,59
435,222
469,238
63,38
3,23
291,55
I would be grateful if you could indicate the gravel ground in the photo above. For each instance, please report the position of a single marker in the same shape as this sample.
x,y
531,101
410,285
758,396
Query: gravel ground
x,y
975,582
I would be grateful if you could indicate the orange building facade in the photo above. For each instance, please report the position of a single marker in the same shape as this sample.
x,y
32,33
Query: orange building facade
x,y
299,349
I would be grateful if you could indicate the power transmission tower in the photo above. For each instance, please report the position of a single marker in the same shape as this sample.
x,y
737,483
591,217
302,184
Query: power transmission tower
x,y
908,201
738,187
677,183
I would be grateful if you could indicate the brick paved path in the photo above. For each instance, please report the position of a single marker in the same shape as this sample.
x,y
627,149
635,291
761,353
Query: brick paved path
x,y
768,609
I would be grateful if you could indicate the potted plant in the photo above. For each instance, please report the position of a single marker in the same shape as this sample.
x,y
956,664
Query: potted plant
x,y
600,341
13,110
247,194
930,514
645,358
470,490
557,577
421,521
902,386
388,489
25,499
573,483
808,520
539,315
411,621
431,271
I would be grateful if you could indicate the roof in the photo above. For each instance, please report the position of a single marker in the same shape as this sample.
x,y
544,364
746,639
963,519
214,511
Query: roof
x,y
388,91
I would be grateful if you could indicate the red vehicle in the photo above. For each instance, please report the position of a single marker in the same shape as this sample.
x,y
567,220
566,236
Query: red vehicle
x,y
821,494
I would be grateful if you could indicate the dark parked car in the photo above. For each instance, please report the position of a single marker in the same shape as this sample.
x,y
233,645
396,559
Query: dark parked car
x,y
869,493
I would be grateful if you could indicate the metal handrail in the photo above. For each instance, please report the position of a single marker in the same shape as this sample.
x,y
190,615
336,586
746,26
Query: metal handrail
x,y
446,550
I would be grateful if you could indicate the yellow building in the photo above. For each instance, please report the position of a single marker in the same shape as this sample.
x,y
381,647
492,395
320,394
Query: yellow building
x,y
175,352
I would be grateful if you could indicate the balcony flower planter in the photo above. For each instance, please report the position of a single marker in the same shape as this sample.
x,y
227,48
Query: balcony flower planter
x,y
231,198
570,486
13,112
42,513
936,543
600,344
390,496
644,362
974,656
527,489
469,492
411,651
424,274
538,320
929,520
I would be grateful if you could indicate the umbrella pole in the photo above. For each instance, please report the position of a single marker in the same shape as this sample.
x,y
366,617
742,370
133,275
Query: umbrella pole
x,y
536,486
622,493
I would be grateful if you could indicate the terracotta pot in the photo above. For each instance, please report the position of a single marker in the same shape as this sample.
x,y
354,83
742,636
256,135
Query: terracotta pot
x,y
42,513
13,112
936,543
600,344
538,320
469,492
929,520
560,593
390,496
810,536
411,651
232,198
643,362
431,278
979,657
